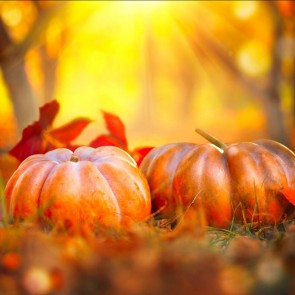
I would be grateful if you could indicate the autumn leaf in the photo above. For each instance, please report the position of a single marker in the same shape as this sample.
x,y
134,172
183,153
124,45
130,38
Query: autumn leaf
x,y
117,134
117,137
105,140
48,113
70,131
138,154
116,127
289,194
39,137
31,141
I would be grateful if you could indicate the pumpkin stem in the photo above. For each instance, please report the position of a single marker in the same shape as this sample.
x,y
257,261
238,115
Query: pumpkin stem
x,y
74,159
211,139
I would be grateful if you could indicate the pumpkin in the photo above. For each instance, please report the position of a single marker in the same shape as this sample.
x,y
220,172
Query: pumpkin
x,y
221,182
93,187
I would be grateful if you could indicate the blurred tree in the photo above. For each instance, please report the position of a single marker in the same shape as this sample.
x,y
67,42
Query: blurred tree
x,y
286,52
278,75
13,70
14,46
113,58
267,89
53,40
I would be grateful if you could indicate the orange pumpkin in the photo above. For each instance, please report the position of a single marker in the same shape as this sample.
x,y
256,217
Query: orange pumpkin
x,y
220,181
93,187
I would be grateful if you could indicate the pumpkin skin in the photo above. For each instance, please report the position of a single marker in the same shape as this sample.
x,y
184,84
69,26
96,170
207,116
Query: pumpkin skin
x,y
240,179
100,187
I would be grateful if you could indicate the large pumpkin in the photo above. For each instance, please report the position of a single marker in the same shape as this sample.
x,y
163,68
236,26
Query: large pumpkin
x,y
220,181
93,187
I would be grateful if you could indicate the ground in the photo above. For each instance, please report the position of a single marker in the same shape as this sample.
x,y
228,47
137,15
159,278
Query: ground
x,y
148,259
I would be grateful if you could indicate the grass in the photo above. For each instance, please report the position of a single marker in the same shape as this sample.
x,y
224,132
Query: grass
x,y
147,260
159,256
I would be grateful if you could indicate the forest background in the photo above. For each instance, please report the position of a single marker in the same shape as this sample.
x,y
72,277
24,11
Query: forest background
x,y
164,67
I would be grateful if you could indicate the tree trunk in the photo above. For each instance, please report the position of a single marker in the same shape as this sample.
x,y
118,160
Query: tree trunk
x,y
292,78
274,113
12,63
20,92
274,117
49,66
17,83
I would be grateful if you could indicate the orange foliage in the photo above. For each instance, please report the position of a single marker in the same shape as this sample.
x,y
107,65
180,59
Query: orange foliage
x,y
11,261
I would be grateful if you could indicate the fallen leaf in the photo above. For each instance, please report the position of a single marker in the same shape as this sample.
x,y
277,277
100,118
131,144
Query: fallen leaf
x,y
31,141
105,140
39,137
138,154
70,131
289,193
116,128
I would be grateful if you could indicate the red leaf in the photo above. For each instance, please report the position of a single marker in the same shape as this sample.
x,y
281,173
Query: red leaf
x,y
116,128
48,113
138,154
105,140
68,132
32,141
289,193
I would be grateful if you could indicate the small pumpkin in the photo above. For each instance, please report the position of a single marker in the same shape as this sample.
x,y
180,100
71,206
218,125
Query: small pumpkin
x,y
218,181
92,187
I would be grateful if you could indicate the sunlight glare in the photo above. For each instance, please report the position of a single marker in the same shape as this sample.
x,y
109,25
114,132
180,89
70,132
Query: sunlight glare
x,y
146,6
244,9
11,16
254,58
